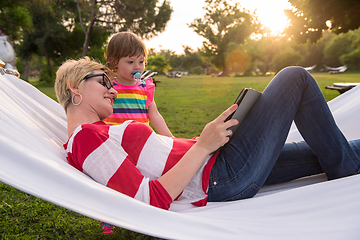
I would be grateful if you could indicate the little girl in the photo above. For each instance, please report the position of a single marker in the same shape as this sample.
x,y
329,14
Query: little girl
x,y
126,55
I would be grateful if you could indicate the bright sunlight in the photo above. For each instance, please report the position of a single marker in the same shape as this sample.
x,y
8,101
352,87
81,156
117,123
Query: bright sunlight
x,y
178,34
270,13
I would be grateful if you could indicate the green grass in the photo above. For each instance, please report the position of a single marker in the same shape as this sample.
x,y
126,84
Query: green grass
x,y
186,103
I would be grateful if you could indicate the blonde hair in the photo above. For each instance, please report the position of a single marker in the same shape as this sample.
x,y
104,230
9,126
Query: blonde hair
x,y
73,72
123,44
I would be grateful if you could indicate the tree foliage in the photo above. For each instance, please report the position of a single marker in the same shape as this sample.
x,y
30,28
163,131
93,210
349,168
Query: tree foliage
x,y
191,59
157,63
344,49
49,36
143,17
183,62
237,60
286,57
338,46
14,17
263,52
222,24
53,30
308,19
197,70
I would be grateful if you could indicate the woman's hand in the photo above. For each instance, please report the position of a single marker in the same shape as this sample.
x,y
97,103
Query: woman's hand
x,y
215,133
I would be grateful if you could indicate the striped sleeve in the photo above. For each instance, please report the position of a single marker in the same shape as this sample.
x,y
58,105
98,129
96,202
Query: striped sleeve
x,y
107,163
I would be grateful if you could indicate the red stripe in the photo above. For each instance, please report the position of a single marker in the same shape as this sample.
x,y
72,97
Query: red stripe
x,y
180,147
135,136
207,171
121,120
82,147
127,91
126,179
159,197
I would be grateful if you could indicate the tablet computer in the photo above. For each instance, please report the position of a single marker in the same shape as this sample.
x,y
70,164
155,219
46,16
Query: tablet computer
x,y
245,101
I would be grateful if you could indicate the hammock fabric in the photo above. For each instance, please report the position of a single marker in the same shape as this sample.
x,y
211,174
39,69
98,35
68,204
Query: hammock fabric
x,y
33,129
7,53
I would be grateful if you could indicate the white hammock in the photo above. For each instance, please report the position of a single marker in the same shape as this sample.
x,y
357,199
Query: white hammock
x,y
33,129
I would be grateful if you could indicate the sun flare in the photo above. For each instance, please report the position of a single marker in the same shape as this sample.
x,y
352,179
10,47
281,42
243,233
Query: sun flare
x,y
178,34
271,15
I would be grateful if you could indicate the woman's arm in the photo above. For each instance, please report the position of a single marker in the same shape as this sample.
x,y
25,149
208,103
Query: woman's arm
x,y
114,167
213,136
158,121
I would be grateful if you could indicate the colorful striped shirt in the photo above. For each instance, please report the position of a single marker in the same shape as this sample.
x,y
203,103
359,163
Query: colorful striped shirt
x,y
129,158
132,102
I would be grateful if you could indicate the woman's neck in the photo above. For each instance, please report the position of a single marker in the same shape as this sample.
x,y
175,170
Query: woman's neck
x,y
77,118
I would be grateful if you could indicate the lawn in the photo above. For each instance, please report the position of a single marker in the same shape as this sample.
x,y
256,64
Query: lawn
x,y
186,103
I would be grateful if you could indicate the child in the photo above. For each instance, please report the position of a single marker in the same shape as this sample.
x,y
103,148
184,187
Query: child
x,y
126,55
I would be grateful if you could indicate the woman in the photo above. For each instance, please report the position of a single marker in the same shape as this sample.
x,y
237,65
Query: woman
x,y
157,170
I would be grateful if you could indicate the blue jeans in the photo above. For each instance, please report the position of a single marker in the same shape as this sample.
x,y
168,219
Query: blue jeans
x,y
258,155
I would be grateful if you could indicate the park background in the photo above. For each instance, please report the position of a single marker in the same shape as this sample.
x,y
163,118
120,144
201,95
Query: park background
x,y
234,42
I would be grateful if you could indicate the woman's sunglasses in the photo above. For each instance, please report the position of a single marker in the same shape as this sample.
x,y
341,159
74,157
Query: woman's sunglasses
x,y
105,79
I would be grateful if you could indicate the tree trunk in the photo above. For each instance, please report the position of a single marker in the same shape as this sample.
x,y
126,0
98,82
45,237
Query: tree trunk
x,y
48,63
90,28
268,65
26,71
87,41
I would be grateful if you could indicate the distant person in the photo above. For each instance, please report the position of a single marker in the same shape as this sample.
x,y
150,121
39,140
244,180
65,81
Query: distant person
x,y
158,170
7,53
126,55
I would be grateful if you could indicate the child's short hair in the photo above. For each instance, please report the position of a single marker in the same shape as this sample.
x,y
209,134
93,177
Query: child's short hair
x,y
73,72
123,44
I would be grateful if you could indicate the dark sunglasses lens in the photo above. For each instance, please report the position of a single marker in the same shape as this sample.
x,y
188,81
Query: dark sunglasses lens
x,y
107,81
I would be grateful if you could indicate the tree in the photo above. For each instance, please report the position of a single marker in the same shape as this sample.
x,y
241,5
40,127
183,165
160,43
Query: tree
x,y
344,49
157,63
191,59
197,70
237,59
221,25
339,45
49,36
311,17
183,62
55,36
263,52
287,57
14,17
143,17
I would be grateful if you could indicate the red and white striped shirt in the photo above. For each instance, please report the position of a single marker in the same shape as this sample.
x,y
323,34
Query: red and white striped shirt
x,y
129,158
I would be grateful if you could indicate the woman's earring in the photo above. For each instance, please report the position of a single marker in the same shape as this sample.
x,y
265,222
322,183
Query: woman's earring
x,y
72,99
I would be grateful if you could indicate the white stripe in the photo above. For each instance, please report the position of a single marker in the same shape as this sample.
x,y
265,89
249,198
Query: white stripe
x,y
143,193
71,139
116,132
153,157
104,161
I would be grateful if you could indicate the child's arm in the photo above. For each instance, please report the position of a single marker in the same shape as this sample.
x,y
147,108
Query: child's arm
x,y
158,121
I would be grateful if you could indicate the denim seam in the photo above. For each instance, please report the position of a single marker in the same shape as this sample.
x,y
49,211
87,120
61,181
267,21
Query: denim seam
x,y
309,160
236,197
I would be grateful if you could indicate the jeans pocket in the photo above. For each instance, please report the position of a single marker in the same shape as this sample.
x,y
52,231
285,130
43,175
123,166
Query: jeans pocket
x,y
248,192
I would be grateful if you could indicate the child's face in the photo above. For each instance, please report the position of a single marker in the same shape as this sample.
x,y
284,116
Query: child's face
x,y
127,65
